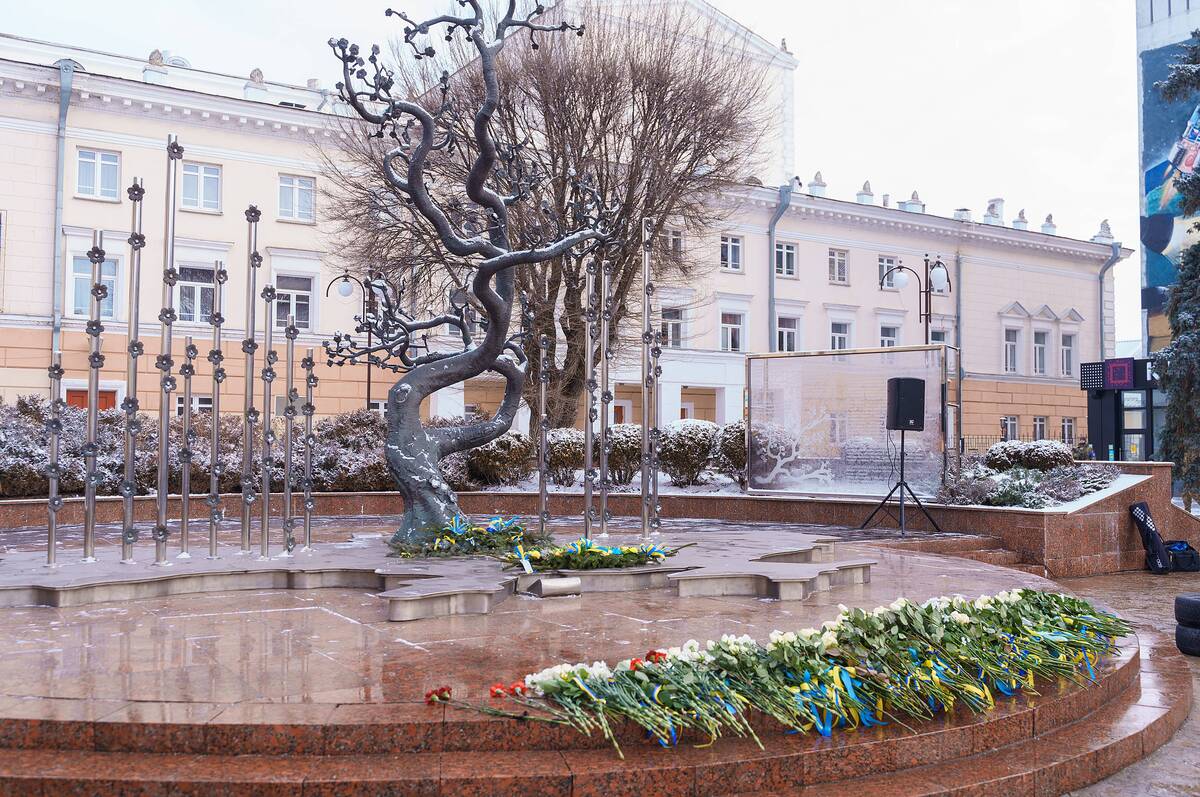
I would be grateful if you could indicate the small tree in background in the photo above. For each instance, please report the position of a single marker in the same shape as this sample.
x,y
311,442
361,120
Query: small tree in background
x,y
1178,368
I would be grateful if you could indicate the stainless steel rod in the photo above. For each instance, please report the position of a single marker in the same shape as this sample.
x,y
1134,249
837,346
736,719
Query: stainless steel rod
x,y
268,434
656,432
249,346
543,431
647,379
54,501
289,417
606,395
130,406
589,424
164,363
310,382
99,293
186,451
217,358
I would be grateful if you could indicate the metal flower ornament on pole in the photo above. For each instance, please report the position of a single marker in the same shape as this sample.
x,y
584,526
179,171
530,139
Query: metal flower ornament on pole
x,y
164,361
310,440
268,435
134,348
606,394
217,358
290,332
475,222
54,501
91,480
187,371
543,426
249,347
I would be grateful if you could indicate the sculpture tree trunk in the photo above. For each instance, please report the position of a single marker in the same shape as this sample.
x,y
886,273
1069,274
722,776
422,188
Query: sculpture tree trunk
x,y
412,458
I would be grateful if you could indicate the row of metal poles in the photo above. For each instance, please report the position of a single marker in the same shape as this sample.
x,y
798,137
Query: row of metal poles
x,y
599,313
252,489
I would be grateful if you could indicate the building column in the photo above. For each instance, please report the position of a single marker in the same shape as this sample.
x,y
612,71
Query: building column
x,y
449,402
729,404
670,402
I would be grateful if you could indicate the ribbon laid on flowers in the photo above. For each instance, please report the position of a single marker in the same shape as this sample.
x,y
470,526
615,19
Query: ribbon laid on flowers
x,y
864,668
462,537
583,554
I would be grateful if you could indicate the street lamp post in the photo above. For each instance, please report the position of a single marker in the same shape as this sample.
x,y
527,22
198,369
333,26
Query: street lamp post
x,y
345,288
937,279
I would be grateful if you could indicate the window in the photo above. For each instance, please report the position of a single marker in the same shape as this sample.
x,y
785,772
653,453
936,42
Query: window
x,y
672,327
838,423
199,404
889,336
375,405
887,277
839,335
1068,431
1011,338
785,260
99,174
296,197
838,272
786,333
201,186
672,241
937,336
731,331
81,287
293,296
1039,352
1008,427
1039,427
1068,355
195,288
731,253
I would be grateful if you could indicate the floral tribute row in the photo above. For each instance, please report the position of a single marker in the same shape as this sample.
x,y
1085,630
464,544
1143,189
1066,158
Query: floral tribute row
x,y
865,668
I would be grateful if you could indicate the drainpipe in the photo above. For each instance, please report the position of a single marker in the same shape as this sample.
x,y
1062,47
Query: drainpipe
x,y
958,285
66,76
1108,264
785,201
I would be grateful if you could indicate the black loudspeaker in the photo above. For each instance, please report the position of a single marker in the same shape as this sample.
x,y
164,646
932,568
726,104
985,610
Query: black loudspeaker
x,y
906,404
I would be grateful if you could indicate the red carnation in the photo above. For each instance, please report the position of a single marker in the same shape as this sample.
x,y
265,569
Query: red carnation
x,y
498,690
635,664
517,688
656,656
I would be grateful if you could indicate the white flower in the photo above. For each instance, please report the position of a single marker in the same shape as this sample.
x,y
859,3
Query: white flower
x,y
899,604
959,617
831,625
828,640
808,633
983,602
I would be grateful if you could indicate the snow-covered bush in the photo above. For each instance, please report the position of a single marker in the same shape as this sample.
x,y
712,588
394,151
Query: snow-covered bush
x,y
1018,487
564,454
730,453
348,455
977,484
1037,455
506,460
1096,477
625,452
686,448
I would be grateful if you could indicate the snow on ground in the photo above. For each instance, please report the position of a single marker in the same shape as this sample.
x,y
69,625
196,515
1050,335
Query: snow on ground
x,y
715,484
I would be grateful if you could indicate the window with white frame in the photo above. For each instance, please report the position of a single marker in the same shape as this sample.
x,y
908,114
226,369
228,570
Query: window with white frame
x,y
293,296
81,287
1039,427
99,174
1040,344
937,336
839,335
195,294
1008,427
889,336
296,197
887,277
199,404
785,259
1012,341
201,186
788,334
375,405
672,241
672,327
1068,355
1068,431
839,272
731,253
731,331
839,424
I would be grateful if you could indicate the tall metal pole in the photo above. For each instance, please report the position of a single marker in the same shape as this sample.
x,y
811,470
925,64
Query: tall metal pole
x,y
217,358
606,395
647,378
289,417
310,382
655,432
54,501
249,346
131,405
589,425
187,371
268,436
95,362
164,360
543,431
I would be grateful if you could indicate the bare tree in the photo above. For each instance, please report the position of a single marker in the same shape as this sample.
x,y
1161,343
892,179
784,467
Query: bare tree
x,y
662,108
469,220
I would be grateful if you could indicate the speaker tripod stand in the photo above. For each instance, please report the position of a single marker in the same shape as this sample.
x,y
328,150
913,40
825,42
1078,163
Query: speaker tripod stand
x,y
900,487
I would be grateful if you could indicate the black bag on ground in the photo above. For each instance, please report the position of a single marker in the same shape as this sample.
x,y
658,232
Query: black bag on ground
x,y
1184,558
1157,559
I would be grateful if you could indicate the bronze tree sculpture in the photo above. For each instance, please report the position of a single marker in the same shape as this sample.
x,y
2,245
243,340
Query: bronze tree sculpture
x,y
476,221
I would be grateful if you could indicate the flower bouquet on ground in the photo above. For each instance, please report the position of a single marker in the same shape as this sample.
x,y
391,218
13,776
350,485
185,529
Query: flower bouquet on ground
x,y
466,538
586,554
864,668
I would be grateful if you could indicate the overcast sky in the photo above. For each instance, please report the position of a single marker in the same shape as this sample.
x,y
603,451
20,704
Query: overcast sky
x,y
1030,100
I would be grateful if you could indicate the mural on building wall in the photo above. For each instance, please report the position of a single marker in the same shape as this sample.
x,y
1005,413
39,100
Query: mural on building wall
x,y
1170,147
